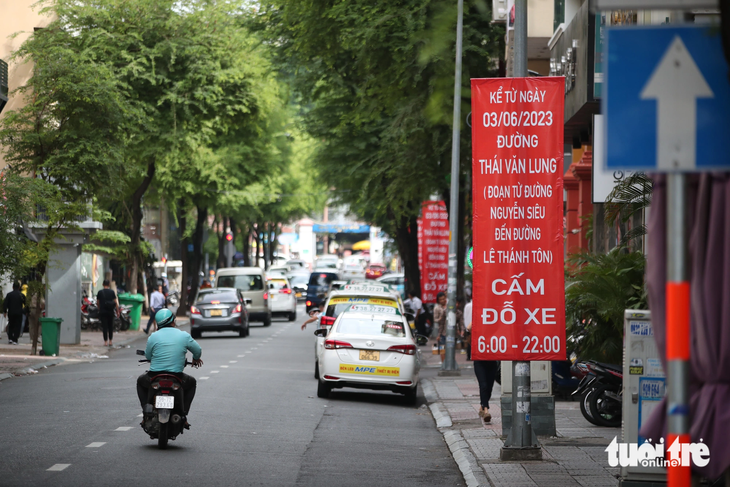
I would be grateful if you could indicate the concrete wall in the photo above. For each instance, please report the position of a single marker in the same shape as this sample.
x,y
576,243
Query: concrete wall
x,y
17,16
540,15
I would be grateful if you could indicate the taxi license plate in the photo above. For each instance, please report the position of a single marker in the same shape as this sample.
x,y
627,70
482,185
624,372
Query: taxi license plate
x,y
216,312
370,355
299,295
165,402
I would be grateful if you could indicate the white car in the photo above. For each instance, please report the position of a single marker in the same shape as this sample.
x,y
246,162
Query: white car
x,y
369,350
278,270
352,271
282,299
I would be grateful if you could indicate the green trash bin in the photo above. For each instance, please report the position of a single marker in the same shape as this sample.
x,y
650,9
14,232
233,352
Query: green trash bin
x,y
136,301
51,335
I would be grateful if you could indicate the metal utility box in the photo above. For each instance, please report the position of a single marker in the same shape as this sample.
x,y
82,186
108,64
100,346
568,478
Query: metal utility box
x,y
644,387
542,404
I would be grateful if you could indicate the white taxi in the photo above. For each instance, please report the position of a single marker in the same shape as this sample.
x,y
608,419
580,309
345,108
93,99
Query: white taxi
x,y
369,347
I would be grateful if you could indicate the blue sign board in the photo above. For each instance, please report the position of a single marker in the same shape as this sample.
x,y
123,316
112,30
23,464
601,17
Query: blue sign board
x,y
667,99
340,228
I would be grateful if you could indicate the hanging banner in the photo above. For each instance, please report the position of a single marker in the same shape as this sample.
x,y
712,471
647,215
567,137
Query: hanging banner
x,y
517,168
433,249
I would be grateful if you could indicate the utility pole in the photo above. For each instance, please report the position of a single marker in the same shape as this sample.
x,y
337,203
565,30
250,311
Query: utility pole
x,y
449,366
521,443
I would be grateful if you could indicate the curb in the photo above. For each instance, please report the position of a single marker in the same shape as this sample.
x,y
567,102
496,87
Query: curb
x,y
35,367
460,451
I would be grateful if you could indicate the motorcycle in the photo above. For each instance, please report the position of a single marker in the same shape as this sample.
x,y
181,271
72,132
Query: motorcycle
x,y
601,391
164,417
90,316
173,299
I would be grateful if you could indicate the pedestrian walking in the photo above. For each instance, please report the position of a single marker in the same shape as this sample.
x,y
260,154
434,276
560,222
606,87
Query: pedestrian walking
x,y
14,305
34,317
24,324
108,306
486,372
439,321
157,302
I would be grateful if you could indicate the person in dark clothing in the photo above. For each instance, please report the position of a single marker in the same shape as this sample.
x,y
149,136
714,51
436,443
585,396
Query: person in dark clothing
x,y
108,304
14,305
486,371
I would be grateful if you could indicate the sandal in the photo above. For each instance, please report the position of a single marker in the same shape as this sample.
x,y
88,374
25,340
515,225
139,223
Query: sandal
x,y
487,417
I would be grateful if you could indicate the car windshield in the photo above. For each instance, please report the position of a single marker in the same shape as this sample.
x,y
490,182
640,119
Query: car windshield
x,y
322,278
242,282
374,326
223,297
277,284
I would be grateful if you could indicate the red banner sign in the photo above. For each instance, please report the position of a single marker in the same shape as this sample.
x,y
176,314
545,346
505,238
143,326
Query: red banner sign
x,y
517,167
433,249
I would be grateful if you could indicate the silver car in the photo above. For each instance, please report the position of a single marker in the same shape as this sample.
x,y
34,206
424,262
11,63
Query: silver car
x,y
219,309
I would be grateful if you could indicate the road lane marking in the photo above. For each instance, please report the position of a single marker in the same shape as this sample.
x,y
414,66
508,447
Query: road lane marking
x,y
233,362
240,356
203,378
123,428
223,366
214,371
96,444
140,415
58,467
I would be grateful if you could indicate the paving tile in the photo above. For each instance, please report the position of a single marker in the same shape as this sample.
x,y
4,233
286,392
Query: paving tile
x,y
485,448
508,475
447,390
597,481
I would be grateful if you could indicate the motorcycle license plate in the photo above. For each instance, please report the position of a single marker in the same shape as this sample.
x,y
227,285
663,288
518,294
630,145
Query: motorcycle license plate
x,y
165,402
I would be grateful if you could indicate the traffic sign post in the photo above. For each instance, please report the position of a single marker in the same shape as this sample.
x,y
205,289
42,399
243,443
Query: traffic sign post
x,y
666,105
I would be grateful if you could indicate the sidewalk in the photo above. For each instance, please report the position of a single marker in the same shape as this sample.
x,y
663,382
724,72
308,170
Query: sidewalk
x,y
15,360
574,458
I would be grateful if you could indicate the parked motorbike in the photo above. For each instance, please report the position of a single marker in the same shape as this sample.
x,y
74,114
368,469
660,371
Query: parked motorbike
x,y
601,392
90,316
164,417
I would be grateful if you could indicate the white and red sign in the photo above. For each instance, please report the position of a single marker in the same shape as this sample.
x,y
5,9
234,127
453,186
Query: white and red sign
x,y
433,249
517,167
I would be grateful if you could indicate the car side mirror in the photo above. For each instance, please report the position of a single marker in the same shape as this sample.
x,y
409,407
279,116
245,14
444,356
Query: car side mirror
x,y
421,340
320,332
140,352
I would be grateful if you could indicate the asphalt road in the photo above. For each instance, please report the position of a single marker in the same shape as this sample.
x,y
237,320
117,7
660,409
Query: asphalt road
x,y
256,420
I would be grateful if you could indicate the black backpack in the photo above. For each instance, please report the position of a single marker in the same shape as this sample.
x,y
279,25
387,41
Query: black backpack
x,y
110,303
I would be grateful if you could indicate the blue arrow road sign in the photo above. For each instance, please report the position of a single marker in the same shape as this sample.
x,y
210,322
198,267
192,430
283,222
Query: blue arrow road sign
x,y
667,101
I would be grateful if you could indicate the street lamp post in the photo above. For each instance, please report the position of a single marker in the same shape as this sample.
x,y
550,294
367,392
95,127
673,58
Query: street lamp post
x,y
449,366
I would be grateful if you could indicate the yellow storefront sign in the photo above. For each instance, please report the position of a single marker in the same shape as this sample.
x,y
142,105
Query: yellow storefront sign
x,y
369,370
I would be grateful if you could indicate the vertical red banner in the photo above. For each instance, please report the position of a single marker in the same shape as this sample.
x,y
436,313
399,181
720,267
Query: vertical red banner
x,y
517,169
433,249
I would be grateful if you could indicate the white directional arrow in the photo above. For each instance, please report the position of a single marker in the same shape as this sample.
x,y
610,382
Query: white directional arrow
x,y
676,84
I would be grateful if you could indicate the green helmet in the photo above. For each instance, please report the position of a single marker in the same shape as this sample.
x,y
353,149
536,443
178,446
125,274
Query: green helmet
x,y
164,317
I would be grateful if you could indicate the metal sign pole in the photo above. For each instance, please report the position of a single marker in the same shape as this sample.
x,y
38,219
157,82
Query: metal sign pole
x,y
449,367
521,443
678,327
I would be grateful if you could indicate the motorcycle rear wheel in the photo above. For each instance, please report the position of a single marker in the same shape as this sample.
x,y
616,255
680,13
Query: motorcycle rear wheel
x,y
585,407
606,411
162,438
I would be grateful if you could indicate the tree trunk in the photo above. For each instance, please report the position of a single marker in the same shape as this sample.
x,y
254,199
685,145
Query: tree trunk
x,y
197,257
137,225
274,244
221,262
184,256
406,238
259,244
246,236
